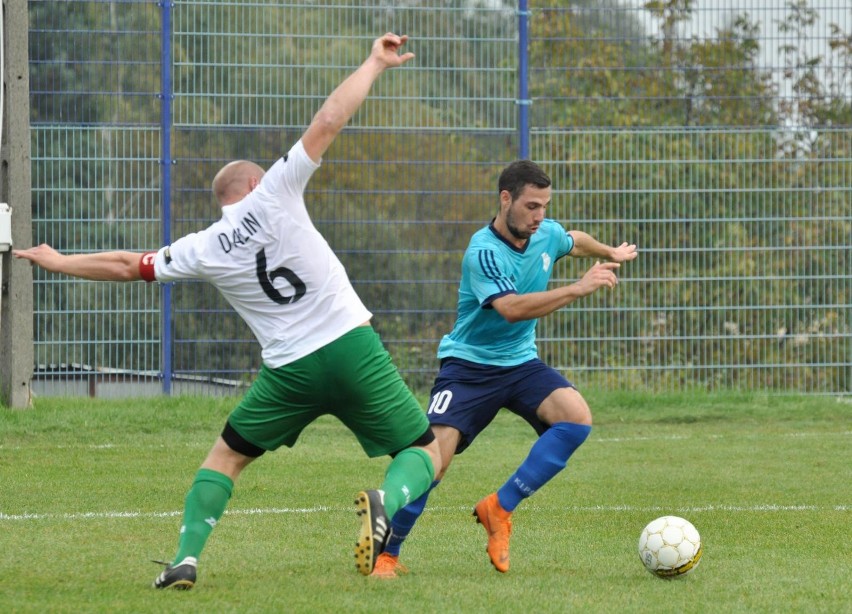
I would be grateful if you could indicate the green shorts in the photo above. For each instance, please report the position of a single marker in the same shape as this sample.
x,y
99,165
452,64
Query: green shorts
x,y
352,378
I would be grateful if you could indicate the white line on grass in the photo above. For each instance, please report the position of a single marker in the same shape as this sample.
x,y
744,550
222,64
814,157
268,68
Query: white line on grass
x,y
107,515
324,509
716,508
716,436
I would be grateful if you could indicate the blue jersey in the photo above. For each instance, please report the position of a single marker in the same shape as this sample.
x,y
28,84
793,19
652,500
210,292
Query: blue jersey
x,y
492,268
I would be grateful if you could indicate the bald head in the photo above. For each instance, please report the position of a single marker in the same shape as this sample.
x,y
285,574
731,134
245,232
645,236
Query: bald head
x,y
235,180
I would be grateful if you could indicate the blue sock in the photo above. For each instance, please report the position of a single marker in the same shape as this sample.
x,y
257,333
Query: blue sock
x,y
403,521
547,457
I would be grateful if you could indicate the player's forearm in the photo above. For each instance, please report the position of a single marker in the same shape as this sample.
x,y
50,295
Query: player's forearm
x,y
339,108
347,97
587,246
104,266
342,103
520,307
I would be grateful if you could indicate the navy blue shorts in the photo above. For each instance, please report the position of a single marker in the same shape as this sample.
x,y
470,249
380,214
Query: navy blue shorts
x,y
467,395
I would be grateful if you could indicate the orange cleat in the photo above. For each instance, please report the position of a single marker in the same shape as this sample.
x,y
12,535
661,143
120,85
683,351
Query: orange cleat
x,y
498,525
388,567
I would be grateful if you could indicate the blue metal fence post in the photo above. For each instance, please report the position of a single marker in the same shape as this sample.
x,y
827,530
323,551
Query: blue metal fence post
x,y
523,100
166,184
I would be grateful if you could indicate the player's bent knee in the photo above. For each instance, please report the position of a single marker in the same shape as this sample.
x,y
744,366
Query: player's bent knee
x,y
565,405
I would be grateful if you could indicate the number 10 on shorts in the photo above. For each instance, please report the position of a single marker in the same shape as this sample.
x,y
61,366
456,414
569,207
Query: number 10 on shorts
x,y
440,402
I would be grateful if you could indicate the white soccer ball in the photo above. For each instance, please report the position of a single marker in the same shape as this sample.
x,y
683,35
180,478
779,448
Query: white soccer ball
x,y
670,546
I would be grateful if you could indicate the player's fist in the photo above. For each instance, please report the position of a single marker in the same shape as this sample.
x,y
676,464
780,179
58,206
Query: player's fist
x,y
386,50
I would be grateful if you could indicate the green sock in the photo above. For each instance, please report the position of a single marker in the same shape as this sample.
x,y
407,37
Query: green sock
x,y
408,476
205,504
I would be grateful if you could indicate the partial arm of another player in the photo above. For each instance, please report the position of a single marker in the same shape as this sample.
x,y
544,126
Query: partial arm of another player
x,y
102,266
587,246
519,307
342,103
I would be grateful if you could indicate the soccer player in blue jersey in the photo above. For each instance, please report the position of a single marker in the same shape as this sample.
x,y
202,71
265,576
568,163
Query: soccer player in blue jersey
x,y
489,360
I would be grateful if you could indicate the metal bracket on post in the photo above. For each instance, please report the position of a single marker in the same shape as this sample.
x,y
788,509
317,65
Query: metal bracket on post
x,y
5,241
5,244
5,227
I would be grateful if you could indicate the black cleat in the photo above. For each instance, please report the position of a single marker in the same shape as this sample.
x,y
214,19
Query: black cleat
x,y
180,577
375,530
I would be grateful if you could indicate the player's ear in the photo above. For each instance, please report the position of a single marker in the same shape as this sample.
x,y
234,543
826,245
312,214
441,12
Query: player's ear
x,y
505,198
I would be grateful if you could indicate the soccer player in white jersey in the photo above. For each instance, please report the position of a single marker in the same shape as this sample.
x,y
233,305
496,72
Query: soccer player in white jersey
x,y
320,354
490,361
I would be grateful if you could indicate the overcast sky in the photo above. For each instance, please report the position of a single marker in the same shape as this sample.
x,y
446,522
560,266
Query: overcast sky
x,y
712,14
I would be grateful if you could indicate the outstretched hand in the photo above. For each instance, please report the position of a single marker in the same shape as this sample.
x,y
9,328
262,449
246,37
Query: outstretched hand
x,y
386,50
624,252
601,275
42,255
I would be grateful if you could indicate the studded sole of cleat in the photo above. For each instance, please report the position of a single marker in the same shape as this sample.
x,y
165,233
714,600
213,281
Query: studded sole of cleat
x,y
364,557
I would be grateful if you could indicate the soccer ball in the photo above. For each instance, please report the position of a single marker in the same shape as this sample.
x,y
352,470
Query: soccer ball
x,y
669,547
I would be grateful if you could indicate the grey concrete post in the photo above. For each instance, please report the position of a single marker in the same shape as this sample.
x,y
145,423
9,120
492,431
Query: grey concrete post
x,y
16,313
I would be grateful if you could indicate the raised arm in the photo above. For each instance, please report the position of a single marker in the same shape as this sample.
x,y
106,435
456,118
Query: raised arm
x,y
342,103
102,266
587,246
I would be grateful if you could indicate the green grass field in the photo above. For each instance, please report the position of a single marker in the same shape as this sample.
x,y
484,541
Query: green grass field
x,y
91,490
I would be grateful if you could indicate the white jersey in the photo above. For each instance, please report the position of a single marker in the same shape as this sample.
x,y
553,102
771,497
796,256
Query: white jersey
x,y
272,266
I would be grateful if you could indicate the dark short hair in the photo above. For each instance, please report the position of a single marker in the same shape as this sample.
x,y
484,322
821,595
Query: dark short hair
x,y
520,174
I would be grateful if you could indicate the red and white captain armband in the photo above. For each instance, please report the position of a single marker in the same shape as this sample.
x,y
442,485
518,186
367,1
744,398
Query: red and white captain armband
x,y
146,266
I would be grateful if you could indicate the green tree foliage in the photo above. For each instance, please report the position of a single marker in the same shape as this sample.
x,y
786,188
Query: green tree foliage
x,y
679,145
598,72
